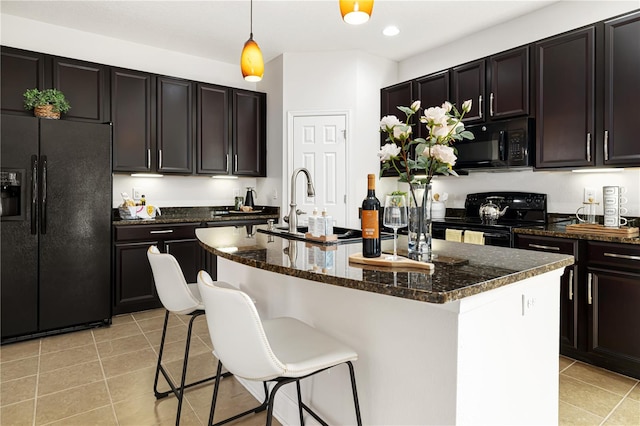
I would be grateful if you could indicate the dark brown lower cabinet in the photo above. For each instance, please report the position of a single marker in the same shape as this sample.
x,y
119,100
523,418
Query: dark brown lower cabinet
x,y
133,280
599,300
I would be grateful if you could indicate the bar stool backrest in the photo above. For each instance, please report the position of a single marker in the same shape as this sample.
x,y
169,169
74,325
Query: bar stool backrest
x,y
171,285
237,333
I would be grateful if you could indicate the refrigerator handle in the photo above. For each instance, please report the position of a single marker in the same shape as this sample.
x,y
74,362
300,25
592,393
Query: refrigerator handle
x,y
43,206
34,194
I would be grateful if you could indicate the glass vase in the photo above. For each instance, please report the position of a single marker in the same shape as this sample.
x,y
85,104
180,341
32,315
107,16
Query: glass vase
x,y
419,229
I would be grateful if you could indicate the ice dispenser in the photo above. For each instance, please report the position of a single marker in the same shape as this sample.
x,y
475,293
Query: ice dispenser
x,y
11,193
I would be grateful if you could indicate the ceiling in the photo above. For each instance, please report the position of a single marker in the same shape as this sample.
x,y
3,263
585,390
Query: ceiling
x,y
217,29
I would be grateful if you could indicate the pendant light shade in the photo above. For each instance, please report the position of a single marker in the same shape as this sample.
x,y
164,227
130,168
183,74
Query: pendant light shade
x,y
356,12
251,62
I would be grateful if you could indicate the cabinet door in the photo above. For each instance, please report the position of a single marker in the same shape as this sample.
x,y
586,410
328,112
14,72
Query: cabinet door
x,y
614,319
565,109
135,289
20,70
509,84
132,112
212,130
402,94
175,125
432,90
469,83
622,90
569,308
249,135
85,85
190,256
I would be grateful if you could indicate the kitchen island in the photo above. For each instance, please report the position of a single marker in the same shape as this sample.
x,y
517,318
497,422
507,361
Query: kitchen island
x,y
474,341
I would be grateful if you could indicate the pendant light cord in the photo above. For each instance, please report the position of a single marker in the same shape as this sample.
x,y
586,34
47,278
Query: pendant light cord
x,y
251,21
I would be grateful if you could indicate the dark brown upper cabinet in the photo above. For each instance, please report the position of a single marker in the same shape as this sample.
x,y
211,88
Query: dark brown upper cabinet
x,y
20,70
432,90
84,84
212,130
249,133
469,83
621,90
86,87
401,94
565,116
174,140
508,83
133,114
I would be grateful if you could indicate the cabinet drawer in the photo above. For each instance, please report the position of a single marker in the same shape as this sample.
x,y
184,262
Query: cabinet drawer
x,y
625,256
144,232
548,244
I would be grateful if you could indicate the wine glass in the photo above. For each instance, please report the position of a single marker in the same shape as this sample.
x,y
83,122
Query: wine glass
x,y
395,216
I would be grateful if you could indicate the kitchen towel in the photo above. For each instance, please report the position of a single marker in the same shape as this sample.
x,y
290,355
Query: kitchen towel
x,y
453,235
474,237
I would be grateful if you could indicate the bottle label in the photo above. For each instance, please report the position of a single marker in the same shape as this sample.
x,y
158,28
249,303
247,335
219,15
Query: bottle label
x,y
370,224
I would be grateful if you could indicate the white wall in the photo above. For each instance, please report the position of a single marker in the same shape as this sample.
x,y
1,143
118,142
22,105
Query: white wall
x,y
565,189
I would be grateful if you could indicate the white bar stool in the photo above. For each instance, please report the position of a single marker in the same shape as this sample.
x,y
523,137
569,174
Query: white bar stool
x,y
179,298
284,350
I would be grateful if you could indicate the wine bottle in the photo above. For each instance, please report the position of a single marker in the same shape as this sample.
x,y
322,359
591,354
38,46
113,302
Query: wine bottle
x,y
370,221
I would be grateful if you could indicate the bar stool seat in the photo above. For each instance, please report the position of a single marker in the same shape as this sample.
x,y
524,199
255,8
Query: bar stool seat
x,y
284,350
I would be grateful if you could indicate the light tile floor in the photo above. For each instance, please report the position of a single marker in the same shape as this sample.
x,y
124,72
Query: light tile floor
x,y
105,377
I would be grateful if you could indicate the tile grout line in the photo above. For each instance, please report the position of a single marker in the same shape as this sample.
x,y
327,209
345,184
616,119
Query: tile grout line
x,y
618,404
581,409
104,377
598,387
565,369
35,396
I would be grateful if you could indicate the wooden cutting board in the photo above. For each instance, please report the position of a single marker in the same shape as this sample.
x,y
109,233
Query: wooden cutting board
x,y
597,229
382,261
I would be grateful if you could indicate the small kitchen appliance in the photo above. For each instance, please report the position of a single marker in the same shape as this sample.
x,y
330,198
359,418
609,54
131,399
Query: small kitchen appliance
x,y
514,210
248,198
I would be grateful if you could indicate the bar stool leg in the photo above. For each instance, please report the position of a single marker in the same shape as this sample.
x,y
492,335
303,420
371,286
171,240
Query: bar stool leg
x,y
355,393
299,402
159,365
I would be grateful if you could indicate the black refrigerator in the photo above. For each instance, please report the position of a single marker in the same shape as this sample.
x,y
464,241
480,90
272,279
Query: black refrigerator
x,y
55,226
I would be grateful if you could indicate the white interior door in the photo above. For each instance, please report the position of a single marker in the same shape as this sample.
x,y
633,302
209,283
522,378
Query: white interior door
x,y
319,145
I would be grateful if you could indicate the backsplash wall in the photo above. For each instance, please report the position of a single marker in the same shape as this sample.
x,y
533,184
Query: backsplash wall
x,y
184,191
564,189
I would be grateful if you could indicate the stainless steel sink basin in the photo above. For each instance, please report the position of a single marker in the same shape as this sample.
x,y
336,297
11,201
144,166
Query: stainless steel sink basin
x,y
345,235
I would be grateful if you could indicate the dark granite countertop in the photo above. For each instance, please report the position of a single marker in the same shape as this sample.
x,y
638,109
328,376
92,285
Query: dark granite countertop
x,y
461,270
559,229
202,215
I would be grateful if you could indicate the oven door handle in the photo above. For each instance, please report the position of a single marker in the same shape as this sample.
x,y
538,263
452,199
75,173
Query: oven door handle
x,y
494,235
502,145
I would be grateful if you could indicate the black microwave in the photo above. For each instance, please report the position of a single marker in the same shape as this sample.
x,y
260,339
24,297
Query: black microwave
x,y
499,145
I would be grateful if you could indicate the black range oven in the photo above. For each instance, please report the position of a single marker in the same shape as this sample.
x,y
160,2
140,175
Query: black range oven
x,y
522,209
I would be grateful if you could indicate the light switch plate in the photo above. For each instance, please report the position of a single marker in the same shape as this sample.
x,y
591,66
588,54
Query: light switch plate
x,y
136,193
589,195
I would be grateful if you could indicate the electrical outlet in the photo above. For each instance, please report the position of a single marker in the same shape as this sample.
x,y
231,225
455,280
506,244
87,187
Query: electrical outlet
x,y
275,194
528,303
137,193
589,195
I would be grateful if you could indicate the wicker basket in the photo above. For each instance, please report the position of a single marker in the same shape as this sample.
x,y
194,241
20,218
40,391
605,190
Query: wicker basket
x,y
46,111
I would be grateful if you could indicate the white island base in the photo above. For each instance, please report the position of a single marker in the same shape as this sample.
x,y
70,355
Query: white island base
x,y
490,358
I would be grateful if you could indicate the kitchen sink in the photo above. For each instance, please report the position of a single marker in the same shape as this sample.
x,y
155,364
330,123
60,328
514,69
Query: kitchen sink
x,y
345,235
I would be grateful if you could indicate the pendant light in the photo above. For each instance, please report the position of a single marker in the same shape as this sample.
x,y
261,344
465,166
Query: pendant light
x,y
251,62
356,12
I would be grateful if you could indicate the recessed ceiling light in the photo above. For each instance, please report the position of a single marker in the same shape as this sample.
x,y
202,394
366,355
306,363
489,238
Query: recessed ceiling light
x,y
391,31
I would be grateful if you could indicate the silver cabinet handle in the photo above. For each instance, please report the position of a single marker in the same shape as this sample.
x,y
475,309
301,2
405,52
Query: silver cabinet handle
x,y
163,231
606,145
480,105
589,298
159,159
571,283
236,162
226,164
538,246
622,256
167,247
149,159
589,147
491,104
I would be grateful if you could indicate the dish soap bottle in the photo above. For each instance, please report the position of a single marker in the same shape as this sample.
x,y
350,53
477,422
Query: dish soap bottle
x,y
313,223
327,222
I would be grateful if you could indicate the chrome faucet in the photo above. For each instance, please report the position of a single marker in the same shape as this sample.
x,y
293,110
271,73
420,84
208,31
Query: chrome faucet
x,y
292,218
